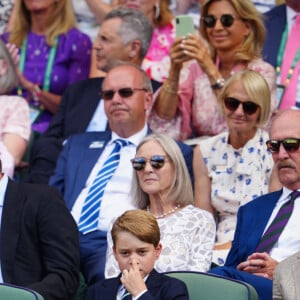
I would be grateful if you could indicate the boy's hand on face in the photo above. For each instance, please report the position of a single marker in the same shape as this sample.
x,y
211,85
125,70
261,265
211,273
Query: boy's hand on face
x,y
132,279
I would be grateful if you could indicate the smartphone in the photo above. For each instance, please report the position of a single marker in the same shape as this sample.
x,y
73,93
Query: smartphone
x,y
184,25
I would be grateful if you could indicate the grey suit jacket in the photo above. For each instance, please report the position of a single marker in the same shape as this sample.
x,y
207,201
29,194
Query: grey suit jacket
x,y
286,279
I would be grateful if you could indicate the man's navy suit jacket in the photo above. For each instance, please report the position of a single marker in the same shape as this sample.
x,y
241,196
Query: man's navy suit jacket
x,y
160,287
275,22
78,158
39,241
252,220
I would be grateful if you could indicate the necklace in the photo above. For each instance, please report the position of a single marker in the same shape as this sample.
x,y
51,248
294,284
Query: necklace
x,y
166,213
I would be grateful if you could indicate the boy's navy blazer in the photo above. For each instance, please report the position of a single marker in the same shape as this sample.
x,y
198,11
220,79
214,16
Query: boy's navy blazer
x,y
160,287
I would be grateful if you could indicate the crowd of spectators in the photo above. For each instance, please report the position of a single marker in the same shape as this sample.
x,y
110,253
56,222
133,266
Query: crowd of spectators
x,y
102,100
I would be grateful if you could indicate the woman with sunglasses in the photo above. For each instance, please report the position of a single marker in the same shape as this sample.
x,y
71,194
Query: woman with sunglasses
x,y
161,184
232,38
235,167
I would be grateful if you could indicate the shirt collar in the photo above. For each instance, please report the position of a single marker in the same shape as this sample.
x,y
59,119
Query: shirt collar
x,y
134,139
3,186
290,16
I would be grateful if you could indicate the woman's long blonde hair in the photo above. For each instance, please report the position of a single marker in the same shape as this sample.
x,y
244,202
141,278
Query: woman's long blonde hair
x,y
60,22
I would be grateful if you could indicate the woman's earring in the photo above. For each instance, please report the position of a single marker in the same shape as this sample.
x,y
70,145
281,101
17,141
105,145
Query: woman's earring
x,y
156,10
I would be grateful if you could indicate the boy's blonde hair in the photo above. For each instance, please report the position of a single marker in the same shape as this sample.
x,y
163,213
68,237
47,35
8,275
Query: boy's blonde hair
x,y
139,223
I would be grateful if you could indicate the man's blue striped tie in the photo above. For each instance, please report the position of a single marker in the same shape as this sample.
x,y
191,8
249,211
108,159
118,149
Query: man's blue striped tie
x,y
89,217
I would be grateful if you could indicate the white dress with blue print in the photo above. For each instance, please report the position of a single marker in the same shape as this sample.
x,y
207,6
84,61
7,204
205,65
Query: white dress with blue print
x,y
237,177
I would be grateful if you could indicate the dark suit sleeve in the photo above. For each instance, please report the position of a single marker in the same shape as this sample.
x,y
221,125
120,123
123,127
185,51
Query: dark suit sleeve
x,y
58,179
56,126
170,289
59,246
188,153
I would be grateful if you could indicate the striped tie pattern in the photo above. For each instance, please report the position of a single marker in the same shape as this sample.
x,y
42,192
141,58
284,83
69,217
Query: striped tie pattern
x,y
125,295
88,221
275,229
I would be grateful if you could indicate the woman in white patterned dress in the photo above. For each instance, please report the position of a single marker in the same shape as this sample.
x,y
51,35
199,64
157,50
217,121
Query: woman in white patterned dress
x,y
235,167
161,184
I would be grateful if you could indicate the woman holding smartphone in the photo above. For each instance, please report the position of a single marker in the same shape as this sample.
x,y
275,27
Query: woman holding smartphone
x,y
232,36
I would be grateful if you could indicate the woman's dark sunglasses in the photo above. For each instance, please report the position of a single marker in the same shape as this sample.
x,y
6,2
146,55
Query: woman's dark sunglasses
x,y
156,162
123,92
232,104
226,20
289,144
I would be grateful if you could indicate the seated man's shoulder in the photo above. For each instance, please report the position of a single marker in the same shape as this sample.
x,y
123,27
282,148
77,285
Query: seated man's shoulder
x,y
263,200
86,83
94,139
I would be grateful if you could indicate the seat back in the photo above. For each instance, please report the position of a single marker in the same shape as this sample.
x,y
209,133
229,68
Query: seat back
x,y
205,286
13,292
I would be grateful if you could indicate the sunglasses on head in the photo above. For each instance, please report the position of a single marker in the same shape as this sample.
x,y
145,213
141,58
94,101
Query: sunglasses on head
x,y
289,144
226,20
156,162
123,92
232,104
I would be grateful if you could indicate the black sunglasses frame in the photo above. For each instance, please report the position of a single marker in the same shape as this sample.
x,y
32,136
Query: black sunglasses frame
x,y
232,104
123,92
289,144
226,20
156,162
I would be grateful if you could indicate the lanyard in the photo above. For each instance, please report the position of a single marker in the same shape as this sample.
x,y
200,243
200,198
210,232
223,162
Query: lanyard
x,y
282,46
49,67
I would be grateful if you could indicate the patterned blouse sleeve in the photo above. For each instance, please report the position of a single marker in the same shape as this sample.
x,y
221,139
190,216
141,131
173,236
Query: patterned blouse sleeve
x,y
80,60
17,117
202,242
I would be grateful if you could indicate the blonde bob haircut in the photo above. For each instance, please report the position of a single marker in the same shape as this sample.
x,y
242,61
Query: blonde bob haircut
x,y
9,80
180,191
257,90
253,43
139,223
60,22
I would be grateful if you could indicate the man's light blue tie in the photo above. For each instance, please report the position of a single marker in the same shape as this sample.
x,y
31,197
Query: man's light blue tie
x,y
89,217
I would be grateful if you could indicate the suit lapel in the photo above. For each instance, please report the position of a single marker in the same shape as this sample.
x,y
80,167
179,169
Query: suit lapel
x,y
10,227
87,160
262,216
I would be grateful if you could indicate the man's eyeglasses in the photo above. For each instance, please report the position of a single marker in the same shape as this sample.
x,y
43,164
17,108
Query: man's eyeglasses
x,y
123,92
226,20
232,104
156,162
289,144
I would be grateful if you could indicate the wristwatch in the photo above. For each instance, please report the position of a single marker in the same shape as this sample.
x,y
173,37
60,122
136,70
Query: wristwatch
x,y
218,84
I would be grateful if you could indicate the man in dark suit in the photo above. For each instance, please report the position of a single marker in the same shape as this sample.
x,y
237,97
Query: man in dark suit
x,y
39,240
125,34
244,261
136,245
128,94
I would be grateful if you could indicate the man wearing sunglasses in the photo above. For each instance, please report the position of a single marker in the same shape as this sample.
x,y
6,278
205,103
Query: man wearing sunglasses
x,y
127,95
125,34
268,227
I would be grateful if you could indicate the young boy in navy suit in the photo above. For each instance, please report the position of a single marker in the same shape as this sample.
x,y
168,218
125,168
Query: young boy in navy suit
x,y
136,246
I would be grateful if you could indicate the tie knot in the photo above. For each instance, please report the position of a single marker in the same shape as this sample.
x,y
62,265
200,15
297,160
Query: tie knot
x,y
297,19
121,142
294,195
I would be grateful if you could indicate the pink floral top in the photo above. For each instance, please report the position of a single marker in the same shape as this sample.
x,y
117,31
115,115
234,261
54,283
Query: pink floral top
x,y
157,61
14,118
198,106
